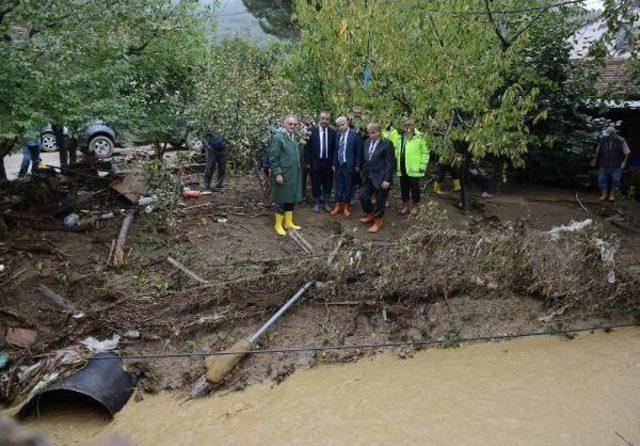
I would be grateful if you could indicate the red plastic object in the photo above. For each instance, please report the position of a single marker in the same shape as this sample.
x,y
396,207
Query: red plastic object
x,y
191,193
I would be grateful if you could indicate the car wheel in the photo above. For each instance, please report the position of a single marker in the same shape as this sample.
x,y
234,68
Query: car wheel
x,y
102,146
49,142
194,143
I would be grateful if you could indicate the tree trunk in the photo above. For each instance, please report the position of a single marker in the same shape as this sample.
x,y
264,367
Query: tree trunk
x,y
160,149
5,149
58,132
465,193
3,172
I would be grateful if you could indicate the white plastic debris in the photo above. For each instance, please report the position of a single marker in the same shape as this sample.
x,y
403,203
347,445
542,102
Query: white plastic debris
x,y
131,334
26,371
607,250
101,346
222,220
607,253
1,268
574,226
143,201
67,356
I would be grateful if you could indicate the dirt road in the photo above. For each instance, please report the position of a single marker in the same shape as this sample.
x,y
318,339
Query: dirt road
x,y
12,162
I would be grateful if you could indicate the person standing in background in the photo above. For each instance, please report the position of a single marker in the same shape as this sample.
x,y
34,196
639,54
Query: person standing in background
x,y
347,163
319,155
611,158
216,155
412,158
379,167
30,152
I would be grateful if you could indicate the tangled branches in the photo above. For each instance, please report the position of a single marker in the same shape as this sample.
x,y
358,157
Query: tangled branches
x,y
434,261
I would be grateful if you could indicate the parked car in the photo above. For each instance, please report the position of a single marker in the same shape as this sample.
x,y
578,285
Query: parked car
x,y
97,137
48,138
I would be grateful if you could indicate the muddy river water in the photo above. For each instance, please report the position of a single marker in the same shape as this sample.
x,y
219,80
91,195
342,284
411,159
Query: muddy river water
x,y
531,391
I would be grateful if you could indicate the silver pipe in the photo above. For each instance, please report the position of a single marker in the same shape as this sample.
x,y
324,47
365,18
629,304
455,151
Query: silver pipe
x,y
280,312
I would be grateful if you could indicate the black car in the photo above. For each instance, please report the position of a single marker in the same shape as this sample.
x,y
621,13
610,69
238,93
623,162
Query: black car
x,y
97,137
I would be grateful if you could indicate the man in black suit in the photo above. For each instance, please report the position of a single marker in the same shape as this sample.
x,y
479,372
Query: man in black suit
x,y
379,167
320,152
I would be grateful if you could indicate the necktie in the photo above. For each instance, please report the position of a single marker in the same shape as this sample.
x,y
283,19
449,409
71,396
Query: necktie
x,y
343,147
324,143
372,148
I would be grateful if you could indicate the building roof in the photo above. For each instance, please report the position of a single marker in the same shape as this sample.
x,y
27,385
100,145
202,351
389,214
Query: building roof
x,y
594,30
614,79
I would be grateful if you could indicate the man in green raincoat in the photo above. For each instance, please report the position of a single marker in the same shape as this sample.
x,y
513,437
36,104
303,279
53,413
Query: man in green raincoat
x,y
286,174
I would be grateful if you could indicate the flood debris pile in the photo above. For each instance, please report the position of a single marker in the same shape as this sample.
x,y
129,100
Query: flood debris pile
x,y
568,269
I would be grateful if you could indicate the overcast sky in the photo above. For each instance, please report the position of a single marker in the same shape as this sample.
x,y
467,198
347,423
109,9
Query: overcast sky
x,y
593,4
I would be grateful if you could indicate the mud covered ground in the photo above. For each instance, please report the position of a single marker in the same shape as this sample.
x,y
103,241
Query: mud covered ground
x,y
227,239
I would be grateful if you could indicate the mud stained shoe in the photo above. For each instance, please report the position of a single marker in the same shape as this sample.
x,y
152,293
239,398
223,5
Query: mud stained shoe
x,y
346,211
326,203
405,208
368,218
288,221
376,226
337,208
414,209
278,226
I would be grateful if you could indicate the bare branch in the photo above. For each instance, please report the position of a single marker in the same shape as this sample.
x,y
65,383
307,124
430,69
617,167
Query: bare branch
x,y
504,42
527,26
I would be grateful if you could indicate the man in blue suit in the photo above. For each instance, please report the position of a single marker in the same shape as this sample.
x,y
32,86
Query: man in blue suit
x,y
379,164
346,164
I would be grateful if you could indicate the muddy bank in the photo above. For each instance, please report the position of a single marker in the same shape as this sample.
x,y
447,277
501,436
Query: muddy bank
x,y
419,279
543,390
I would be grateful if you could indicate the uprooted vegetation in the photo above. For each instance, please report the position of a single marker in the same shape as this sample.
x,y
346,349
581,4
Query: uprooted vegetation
x,y
436,276
575,270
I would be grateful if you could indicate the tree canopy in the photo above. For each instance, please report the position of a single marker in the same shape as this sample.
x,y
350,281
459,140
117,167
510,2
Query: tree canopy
x,y
68,61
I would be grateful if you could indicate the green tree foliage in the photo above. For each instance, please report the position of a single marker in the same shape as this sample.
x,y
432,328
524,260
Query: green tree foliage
x,y
69,61
562,133
244,91
440,61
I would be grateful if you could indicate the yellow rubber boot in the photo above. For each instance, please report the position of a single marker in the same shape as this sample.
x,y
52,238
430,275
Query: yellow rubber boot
x,y
437,187
278,226
456,186
288,221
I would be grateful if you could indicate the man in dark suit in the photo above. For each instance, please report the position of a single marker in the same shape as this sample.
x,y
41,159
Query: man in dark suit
x,y
379,166
346,164
320,151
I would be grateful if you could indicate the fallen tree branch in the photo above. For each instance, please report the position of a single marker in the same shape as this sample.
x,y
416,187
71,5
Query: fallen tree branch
x,y
580,203
118,254
186,270
302,243
55,299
